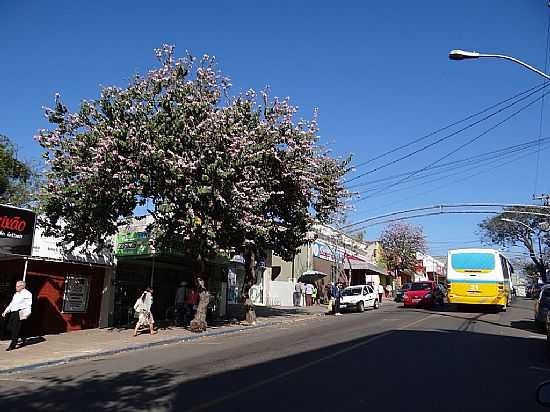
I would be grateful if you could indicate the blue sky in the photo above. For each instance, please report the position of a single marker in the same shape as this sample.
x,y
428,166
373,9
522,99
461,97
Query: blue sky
x,y
377,71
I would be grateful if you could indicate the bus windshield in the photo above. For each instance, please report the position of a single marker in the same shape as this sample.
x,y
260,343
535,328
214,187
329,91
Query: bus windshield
x,y
473,262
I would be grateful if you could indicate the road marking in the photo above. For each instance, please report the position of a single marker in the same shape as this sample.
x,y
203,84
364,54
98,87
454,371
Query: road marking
x,y
274,378
417,322
22,380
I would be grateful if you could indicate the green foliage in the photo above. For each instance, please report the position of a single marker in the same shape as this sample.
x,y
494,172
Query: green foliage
x,y
16,177
518,226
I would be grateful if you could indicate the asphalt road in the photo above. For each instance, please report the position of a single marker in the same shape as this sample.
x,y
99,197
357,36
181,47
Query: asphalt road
x,y
392,359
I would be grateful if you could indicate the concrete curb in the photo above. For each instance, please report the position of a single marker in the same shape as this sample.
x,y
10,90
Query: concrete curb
x,y
129,348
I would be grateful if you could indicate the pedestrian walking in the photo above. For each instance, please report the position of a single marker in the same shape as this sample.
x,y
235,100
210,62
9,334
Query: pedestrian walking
x,y
309,293
380,293
181,294
297,294
337,293
19,310
143,311
329,289
314,296
389,290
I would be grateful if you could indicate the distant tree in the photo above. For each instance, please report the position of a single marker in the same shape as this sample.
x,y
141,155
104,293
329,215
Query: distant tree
x,y
17,178
531,273
217,173
526,229
400,242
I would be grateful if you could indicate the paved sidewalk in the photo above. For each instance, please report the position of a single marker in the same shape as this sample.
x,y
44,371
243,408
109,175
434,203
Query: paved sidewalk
x,y
66,347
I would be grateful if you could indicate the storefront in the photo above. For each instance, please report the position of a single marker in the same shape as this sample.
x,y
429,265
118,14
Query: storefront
x,y
69,288
139,265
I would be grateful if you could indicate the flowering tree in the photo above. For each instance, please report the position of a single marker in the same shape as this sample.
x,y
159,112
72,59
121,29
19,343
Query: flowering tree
x,y
400,243
216,172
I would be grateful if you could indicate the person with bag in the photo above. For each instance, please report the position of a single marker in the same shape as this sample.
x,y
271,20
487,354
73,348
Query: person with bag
x,y
19,310
142,309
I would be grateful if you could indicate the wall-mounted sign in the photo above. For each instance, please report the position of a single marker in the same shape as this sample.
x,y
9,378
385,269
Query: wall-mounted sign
x,y
53,248
77,291
132,244
16,230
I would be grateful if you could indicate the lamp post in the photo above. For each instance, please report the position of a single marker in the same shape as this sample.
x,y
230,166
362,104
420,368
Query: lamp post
x,y
458,54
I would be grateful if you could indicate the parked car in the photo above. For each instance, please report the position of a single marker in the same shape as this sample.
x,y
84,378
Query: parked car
x,y
358,298
401,292
542,306
426,293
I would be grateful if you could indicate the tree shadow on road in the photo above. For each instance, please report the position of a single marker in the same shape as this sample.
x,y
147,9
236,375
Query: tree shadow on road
x,y
376,372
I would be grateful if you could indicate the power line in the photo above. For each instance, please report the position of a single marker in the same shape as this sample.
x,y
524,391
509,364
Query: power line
x,y
484,168
461,179
446,127
479,157
498,155
465,144
446,137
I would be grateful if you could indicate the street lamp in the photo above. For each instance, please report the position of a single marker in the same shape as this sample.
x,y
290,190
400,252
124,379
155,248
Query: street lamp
x,y
529,228
458,54
543,226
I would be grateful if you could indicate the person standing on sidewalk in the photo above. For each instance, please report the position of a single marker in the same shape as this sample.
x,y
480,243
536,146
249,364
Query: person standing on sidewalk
x,y
143,309
389,291
297,293
380,293
181,294
309,293
19,310
315,295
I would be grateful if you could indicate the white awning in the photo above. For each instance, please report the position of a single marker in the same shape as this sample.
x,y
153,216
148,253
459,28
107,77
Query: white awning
x,y
359,265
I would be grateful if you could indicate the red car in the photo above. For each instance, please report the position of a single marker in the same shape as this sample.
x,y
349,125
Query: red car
x,y
426,293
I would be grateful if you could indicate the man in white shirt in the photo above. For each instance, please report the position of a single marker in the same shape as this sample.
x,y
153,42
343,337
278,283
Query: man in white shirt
x,y
380,293
19,310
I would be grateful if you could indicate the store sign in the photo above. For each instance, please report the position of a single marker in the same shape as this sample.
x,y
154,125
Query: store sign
x,y
16,230
132,244
77,291
322,251
53,248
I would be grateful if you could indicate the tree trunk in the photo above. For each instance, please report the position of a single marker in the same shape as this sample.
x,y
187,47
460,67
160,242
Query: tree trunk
x,y
198,324
249,281
539,263
541,268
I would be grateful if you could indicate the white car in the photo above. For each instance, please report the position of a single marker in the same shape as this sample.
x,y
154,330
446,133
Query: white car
x,y
358,298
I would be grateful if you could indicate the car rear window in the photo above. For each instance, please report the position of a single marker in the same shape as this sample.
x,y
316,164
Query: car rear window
x,y
352,292
421,286
473,262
